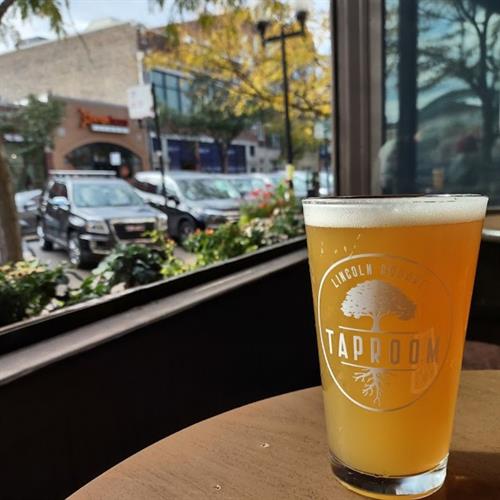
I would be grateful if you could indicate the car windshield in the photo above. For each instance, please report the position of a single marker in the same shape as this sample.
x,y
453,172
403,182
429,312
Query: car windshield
x,y
207,189
103,194
23,197
247,184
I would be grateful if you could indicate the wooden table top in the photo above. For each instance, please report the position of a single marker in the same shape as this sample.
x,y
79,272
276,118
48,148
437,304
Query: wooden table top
x,y
276,449
491,228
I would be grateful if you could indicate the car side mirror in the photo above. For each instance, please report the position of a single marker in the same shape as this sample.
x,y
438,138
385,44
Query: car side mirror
x,y
172,197
30,205
60,202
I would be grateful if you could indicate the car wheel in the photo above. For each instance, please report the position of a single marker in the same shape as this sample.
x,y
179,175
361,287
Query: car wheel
x,y
44,242
75,253
185,228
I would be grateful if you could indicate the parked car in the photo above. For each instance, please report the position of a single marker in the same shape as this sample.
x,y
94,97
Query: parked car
x,y
194,200
27,210
302,182
88,212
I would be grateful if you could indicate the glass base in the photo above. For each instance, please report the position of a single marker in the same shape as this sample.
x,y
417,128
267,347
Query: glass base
x,y
386,487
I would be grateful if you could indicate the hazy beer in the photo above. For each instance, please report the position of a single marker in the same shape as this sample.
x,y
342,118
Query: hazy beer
x,y
392,281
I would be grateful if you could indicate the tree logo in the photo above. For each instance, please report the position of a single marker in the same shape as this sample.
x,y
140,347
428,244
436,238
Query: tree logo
x,y
384,329
376,299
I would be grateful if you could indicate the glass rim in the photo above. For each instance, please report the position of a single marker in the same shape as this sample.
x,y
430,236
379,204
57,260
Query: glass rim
x,y
387,199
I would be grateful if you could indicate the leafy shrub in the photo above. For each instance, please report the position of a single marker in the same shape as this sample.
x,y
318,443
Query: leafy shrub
x,y
224,242
28,288
131,265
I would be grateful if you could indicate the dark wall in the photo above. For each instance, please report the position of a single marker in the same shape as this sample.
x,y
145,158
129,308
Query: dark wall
x,y
484,322
65,424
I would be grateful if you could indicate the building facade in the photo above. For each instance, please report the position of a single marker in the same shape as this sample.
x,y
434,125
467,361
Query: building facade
x,y
97,65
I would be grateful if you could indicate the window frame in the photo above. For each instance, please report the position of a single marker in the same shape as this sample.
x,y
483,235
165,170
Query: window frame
x,y
357,28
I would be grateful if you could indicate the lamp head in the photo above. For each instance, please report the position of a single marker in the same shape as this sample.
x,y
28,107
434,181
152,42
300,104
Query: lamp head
x,y
301,18
261,28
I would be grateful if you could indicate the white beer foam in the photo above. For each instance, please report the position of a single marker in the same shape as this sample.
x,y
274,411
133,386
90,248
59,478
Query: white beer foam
x,y
403,211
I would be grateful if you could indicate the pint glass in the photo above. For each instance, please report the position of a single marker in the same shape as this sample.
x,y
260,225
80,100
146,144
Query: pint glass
x,y
392,281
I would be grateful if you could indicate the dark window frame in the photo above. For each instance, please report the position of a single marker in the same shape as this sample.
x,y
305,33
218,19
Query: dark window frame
x,y
358,92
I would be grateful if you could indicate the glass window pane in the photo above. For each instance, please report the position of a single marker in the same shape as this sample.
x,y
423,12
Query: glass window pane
x,y
157,78
173,99
185,103
160,95
442,90
172,81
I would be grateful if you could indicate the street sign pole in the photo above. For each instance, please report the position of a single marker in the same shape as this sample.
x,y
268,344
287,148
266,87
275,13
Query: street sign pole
x,y
158,138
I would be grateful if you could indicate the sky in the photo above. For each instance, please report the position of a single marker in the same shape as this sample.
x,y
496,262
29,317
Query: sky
x,y
82,12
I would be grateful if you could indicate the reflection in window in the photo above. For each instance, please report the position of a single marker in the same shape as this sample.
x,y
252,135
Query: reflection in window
x,y
441,135
172,91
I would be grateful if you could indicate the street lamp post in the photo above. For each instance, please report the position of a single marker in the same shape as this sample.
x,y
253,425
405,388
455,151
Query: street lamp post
x,y
285,32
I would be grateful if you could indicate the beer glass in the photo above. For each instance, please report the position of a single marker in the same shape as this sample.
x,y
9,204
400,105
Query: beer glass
x,y
392,281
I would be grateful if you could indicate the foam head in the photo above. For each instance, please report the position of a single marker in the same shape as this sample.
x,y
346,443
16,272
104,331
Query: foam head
x,y
393,211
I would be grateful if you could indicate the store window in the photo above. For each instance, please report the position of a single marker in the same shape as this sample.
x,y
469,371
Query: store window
x,y
172,91
442,90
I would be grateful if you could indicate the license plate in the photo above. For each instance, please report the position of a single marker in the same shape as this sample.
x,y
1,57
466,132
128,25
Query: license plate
x,y
135,228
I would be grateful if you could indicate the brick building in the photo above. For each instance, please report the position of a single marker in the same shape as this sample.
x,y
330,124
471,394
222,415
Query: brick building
x,y
98,65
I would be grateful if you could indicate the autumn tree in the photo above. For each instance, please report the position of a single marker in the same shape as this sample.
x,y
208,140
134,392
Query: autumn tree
x,y
227,49
377,299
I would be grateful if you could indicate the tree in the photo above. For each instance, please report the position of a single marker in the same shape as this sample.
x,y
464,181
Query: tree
x,y
211,115
227,49
36,122
10,237
469,52
376,299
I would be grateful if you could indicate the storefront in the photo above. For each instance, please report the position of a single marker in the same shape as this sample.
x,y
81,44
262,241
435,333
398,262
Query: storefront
x,y
99,136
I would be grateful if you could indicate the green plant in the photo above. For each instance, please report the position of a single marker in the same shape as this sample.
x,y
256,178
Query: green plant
x,y
28,288
224,242
274,220
131,265
171,265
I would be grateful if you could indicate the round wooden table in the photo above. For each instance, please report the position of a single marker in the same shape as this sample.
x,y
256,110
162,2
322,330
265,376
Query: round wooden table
x,y
276,449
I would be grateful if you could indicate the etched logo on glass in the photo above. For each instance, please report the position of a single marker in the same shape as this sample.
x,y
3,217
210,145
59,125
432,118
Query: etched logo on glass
x,y
384,328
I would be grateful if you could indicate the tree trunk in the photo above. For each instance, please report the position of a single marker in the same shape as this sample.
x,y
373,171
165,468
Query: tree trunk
x,y
376,323
224,158
10,235
489,118
486,94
